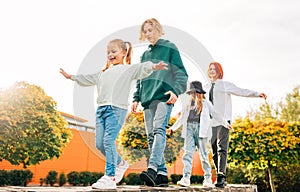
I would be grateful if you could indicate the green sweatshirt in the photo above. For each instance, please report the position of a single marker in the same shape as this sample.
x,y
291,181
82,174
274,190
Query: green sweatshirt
x,y
158,83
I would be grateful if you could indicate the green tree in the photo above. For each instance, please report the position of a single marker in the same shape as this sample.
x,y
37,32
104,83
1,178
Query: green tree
x,y
289,110
133,142
31,128
264,144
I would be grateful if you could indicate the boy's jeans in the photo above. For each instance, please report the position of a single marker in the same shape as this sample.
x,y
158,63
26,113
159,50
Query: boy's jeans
x,y
157,117
109,120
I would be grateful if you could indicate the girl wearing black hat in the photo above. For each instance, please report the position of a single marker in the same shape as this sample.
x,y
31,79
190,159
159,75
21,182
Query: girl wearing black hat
x,y
196,131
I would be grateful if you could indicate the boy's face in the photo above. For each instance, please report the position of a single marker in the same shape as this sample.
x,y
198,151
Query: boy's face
x,y
150,34
115,55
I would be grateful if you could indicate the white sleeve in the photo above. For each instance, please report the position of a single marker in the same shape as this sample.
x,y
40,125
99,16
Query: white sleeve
x,y
235,90
86,80
142,70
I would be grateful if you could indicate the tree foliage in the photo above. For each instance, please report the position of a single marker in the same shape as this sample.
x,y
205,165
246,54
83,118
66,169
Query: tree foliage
x,y
31,129
133,142
268,138
260,144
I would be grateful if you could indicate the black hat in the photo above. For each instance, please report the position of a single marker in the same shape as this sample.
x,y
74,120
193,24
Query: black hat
x,y
196,86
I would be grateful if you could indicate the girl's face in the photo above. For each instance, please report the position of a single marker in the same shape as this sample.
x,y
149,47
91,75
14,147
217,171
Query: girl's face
x,y
212,73
150,34
115,55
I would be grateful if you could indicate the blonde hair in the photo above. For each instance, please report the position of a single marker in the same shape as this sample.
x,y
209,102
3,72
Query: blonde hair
x,y
156,26
124,46
197,98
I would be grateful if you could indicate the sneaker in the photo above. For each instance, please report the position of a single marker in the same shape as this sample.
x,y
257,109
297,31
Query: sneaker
x,y
162,181
105,182
207,183
221,181
120,170
149,177
185,182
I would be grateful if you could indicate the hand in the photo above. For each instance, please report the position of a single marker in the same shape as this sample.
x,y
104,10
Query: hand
x,y
263,96
172,99
169,131
230,127
160,66
68,76
134,107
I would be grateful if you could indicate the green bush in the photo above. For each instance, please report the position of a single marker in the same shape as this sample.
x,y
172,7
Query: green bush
x,y
85,178
96,176
62,179
73,178
175,178
19,177
133,179
197,179
3,177
51,178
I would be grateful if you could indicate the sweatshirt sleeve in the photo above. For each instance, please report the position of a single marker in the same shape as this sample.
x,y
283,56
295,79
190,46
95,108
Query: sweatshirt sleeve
x,y
180,74
140,71
185,99
235,90
86,80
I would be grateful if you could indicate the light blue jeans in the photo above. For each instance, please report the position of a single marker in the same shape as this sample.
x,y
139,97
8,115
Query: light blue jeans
x,y
109,120
157,117
192,141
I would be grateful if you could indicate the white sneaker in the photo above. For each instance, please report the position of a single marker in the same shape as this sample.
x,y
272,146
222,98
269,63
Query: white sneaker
x,y
184,182
207,183
120,170
105,182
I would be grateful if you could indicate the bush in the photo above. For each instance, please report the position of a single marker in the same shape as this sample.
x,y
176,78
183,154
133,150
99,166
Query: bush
x,y
133,179
19,177
62,179
175,178
95,176
3,178
197,179
73,178
85,178
51,178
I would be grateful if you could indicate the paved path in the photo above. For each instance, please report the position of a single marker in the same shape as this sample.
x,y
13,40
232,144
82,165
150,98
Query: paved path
x,y
131,188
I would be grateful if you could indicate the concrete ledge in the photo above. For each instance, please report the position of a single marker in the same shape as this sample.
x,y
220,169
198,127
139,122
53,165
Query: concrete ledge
x,y
131,188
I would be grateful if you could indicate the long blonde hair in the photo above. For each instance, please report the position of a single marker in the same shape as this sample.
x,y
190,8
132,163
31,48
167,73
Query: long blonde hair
x,y
156,26
197,98
124,46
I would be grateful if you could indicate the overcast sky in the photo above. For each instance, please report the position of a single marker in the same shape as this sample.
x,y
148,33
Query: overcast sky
x,y
257,42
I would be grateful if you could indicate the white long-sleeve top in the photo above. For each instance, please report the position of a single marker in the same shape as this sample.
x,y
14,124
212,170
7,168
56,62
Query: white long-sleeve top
x,y
222,98
113,85
205,119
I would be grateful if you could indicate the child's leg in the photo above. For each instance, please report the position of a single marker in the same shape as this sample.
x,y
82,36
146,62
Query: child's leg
x,y
204,158
111,122
189,148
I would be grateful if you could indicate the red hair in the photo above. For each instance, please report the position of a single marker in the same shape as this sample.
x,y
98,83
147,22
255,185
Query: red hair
x,y
219,69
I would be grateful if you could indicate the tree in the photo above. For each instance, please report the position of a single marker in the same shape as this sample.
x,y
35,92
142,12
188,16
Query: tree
x,y
264,144
133,140
31,129
290,109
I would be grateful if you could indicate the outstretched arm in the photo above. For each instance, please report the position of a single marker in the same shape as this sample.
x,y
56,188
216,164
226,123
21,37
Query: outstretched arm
x,y
65,74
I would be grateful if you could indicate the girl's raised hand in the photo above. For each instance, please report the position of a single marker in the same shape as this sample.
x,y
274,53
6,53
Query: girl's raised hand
x,y
65,74
160,66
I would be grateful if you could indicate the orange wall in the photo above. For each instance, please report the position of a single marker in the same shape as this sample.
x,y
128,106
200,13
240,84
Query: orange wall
x,y
81,155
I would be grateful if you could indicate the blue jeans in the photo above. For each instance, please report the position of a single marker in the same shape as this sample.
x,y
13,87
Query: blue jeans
x,y
157,117
109,120
192,141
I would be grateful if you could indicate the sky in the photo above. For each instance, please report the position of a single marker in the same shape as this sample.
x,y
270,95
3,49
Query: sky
x,y
257,42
